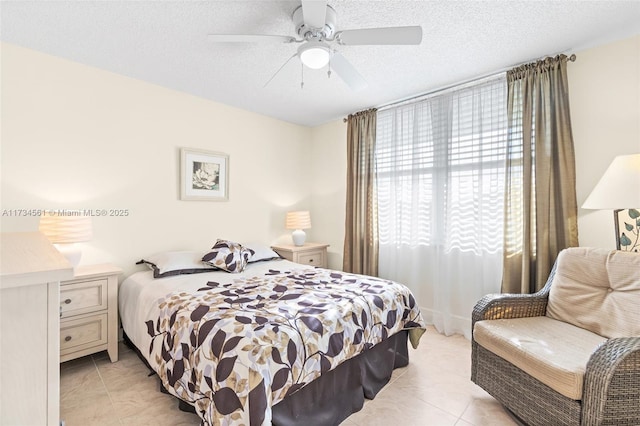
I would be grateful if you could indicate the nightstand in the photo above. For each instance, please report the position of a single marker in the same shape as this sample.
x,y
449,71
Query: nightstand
x,y
89,312
308,254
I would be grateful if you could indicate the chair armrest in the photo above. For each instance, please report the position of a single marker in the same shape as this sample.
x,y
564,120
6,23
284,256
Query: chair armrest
x,y
612,383
507,305
498,306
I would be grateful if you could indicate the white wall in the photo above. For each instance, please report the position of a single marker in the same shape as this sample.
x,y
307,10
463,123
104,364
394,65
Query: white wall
x,y
79,137
604,90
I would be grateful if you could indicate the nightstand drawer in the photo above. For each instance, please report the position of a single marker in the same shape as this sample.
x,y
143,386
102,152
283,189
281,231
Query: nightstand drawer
x,y
313,258
313,254
89,312
83,297
85,332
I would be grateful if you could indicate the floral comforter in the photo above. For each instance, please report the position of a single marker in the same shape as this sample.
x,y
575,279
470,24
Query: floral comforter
x,y
235,349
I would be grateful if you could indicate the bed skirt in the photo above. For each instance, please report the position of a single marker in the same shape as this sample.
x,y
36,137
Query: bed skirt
x,y
338,393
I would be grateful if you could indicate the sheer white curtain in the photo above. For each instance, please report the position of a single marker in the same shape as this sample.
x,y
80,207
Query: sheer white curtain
x,y
440,166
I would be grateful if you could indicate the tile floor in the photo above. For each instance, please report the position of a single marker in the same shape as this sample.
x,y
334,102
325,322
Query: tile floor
x,y
434,389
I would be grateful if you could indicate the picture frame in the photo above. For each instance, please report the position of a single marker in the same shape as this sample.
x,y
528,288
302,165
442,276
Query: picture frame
x,y
627,223
204,175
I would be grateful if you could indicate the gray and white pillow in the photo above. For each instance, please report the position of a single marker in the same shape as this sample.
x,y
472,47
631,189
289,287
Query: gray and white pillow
x,y
228,256
261,252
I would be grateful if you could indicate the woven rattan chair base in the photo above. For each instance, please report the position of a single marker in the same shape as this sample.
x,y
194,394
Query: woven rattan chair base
x,y
611,382
533,402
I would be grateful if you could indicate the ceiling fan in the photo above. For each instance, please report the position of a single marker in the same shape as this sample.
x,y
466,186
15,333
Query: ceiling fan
x,y
315,25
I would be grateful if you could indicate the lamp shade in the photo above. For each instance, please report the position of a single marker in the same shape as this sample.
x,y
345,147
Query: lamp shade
x,y
66,227
619,187
298,220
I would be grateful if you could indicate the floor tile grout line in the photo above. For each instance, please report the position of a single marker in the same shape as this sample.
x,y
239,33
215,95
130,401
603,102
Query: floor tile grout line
x,y
464,411
394,385
442,409
104,385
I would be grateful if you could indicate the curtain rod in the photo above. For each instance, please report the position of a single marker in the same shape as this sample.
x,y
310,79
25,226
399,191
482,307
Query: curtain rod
x,y
571,58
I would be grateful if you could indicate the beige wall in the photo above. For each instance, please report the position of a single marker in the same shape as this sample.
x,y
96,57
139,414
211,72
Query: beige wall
x,y
329,178
79,137
604,89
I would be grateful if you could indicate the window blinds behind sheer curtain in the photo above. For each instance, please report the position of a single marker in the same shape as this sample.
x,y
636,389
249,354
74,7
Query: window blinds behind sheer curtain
x,y
440,166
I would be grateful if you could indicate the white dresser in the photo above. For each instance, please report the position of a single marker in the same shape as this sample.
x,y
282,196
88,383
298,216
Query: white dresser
x,y
31,270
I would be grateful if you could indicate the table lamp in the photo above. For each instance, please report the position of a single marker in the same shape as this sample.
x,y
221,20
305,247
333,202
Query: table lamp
x,y
298,221
64,229
619,189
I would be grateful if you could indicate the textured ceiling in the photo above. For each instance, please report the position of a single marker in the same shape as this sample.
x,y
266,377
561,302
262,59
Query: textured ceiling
x,y
165,43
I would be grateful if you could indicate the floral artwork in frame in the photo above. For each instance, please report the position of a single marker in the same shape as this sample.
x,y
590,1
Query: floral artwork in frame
x,y
204,175
627,223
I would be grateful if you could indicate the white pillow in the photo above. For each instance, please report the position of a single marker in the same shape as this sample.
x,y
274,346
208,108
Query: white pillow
x,y
261,252
170,263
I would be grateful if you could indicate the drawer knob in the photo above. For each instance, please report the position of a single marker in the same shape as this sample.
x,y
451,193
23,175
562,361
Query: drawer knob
x,y
310,260
67,301
68,338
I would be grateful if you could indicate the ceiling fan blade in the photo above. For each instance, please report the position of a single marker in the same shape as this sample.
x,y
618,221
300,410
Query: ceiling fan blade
x,y
389,35
347,72
249,38
314,13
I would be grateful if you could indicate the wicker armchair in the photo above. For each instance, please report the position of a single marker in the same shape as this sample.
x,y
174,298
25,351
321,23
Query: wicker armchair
x,y
611,386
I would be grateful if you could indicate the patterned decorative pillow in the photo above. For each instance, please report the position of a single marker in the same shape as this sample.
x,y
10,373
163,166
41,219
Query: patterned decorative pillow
x,y
228,256
169,263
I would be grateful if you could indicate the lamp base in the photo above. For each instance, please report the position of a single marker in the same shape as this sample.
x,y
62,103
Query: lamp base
x,y
71,252
298,236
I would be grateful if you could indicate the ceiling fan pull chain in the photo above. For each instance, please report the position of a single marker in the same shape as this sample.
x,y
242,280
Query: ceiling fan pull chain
x,y
279,69
301,76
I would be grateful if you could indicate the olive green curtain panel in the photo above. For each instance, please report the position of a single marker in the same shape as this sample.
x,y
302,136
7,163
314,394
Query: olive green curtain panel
x,y
361,222
540,197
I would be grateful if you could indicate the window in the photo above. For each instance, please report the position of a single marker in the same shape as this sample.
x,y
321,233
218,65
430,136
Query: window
x,y
440,170
440,174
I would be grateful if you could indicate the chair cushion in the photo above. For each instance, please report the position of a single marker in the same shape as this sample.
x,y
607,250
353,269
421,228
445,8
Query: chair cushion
x,y
598,290
552,351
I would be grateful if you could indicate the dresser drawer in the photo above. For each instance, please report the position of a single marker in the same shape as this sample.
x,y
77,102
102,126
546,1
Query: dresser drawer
x,y
83,297
313,258
84,332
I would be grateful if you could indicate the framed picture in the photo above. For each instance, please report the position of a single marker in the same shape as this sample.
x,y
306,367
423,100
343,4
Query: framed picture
x,y
204,175
627,223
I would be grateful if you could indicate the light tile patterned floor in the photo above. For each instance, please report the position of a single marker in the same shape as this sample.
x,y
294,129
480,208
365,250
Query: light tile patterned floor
x,y
433,390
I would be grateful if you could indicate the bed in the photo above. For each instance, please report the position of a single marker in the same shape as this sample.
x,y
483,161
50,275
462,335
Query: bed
x,y
278,343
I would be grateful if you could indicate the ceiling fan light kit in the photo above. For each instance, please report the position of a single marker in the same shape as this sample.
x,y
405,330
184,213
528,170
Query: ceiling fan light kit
x,y
315,24
314,54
